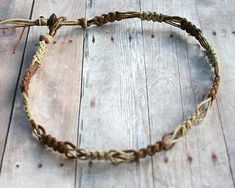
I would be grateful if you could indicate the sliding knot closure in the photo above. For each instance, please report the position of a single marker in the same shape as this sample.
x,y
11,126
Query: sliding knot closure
x,y
70,150
54,23
46,37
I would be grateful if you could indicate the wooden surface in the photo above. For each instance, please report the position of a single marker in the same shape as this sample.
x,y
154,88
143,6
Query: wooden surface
x,y
122,85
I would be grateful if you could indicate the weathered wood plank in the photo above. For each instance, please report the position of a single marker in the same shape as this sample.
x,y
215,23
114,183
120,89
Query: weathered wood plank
x,y
218,23
213,166
118,63
114,107
178,76
54,97
164,93
10,63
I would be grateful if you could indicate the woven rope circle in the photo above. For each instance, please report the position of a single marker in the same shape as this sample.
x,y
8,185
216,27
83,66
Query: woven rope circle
x,y
117,156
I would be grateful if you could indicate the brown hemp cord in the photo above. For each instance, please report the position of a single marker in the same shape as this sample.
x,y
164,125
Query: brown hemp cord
x,y
113,155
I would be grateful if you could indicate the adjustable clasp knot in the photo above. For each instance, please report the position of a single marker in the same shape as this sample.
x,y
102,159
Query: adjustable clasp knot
x,y
54,23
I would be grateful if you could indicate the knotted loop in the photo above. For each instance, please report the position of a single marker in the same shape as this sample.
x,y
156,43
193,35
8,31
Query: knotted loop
x,y
41,21
167,143
54,23
83,154
52,142
46,37
155,17
115,156
202,108
39,131
119,156
83,23
71,150
190,28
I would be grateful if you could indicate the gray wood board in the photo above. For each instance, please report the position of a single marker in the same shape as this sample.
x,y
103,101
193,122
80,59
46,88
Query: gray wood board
x,y
119,86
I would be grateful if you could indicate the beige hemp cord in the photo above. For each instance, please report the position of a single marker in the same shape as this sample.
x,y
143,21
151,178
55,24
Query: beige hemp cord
x,y
115,156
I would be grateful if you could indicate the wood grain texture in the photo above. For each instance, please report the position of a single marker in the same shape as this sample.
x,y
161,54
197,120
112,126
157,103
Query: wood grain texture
x,y
218,22
56,106
114,109
10,64
183,76
122,85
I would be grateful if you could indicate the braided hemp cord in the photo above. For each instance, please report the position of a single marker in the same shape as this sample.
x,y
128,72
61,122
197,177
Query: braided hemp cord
x,y
114,156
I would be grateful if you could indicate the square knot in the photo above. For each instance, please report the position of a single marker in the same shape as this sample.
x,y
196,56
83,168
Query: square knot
x,y
41,21
155,17
83,22
189,28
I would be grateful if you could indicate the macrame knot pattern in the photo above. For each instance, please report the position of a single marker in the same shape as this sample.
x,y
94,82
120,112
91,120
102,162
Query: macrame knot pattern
x,y
46,37
105,18
211,56
190,28
50,141
41,21
150,150
25,84
115,156
214,63
36,62
183,128
155,17
42,49
83,22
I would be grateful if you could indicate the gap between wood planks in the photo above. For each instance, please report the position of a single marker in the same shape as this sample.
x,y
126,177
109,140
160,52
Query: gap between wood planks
x,y
147,95
80,101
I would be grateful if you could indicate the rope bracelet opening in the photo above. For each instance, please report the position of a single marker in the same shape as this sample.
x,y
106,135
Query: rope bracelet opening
x,y
114,156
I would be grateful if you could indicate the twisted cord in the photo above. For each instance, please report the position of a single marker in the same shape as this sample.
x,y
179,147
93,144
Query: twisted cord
x,y
183,128
114,156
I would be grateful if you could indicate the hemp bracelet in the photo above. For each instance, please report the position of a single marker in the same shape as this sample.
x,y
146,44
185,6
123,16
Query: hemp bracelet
x,y
114,156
